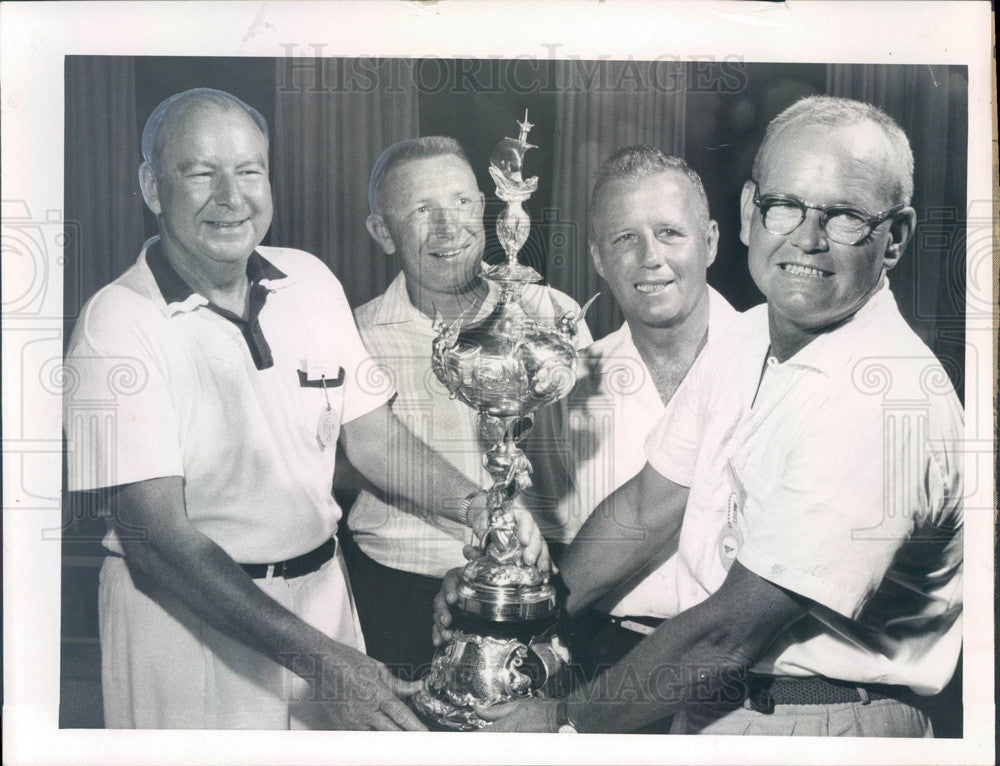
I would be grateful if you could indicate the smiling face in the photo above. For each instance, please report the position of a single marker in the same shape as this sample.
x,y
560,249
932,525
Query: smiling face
x,y
652,242
212,194
810,281
431,215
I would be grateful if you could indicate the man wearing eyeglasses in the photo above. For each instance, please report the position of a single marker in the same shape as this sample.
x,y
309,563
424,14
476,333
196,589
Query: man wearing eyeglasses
x,y
819,525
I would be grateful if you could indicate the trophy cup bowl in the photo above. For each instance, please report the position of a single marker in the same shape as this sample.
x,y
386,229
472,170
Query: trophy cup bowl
x,y
505,366
508,365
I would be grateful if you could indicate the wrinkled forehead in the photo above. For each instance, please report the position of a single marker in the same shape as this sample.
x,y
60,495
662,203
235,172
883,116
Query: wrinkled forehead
x,y
419,177
838,153
853,164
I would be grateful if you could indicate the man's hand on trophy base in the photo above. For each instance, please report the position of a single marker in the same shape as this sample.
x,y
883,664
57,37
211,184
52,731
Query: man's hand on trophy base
x,y
532,714
361,694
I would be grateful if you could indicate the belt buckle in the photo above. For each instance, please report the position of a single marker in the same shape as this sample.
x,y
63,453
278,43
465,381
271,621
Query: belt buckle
x,y
762,702
759,700
284,569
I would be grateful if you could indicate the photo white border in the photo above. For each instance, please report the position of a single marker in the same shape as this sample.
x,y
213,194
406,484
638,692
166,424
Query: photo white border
x,y
34,38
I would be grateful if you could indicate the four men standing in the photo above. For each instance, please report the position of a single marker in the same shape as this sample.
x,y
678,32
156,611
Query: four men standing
x,y
801,554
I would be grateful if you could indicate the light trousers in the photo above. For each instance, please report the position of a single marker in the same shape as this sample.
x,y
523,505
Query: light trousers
x,y
164,667
878,718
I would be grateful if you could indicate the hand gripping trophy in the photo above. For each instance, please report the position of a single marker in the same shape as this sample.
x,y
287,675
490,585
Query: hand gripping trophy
x,y
505,366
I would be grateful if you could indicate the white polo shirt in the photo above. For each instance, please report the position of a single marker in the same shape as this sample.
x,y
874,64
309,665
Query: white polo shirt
x,y
839,479
401,535
612,409
163,385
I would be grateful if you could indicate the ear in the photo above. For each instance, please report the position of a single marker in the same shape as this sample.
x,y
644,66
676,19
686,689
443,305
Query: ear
x,y
900,232
746,211
380,233
595,258
150,188
711,242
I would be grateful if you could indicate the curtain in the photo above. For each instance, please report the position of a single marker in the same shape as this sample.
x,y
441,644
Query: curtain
x,y
330,125
929,104
601,106
104,224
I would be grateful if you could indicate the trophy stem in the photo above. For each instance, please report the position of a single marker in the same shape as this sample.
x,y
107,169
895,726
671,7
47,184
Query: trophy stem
x,y
504,645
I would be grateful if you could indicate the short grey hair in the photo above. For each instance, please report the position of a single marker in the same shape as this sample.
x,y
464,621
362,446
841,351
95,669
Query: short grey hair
x,y
832,111
153,136
635,162
406,151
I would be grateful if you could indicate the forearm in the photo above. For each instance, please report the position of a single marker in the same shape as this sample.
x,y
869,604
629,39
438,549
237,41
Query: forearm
x,y
701,654
172,558
179,560
639,521
428,483
438,488
450,486
684,659
605,552
215,589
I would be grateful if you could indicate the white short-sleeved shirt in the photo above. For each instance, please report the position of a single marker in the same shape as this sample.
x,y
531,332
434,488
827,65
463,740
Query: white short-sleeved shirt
x,y
401,535
838,479
612,409
163,385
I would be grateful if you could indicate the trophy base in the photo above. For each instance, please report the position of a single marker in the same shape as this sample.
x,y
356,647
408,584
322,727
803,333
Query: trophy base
x,y
500,603
488,661
441,715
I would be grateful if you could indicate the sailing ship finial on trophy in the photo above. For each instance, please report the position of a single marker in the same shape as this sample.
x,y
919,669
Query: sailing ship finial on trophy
x,y
504,366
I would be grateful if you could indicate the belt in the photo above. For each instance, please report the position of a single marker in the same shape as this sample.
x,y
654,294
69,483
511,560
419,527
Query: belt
x,y
296,567
764,692
642,625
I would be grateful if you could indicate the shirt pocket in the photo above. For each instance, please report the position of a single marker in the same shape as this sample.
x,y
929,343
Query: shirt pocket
x,y
321,402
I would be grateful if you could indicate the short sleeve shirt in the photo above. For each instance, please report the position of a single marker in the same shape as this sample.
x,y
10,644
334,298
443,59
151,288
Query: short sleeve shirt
x,y
835,475
612,409
163,385
404,535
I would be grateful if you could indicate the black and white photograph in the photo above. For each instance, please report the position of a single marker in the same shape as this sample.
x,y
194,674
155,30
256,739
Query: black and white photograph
x,y
522,381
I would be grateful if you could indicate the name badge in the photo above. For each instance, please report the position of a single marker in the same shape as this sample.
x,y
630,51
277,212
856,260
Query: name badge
x,y
318,367
320,373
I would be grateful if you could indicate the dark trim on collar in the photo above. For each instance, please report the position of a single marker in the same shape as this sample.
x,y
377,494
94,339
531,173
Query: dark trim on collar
x,y
259,268
174,289
260,349
171,285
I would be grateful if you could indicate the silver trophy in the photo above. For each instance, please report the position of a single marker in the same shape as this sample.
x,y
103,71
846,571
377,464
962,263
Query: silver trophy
x,y
505,366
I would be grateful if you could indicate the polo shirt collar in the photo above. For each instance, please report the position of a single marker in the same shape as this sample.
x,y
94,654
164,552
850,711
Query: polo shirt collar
x,y
832,350
621,351
395,306
178,295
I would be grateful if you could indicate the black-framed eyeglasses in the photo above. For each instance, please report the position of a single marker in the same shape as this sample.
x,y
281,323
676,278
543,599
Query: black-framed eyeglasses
x,y
847,225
